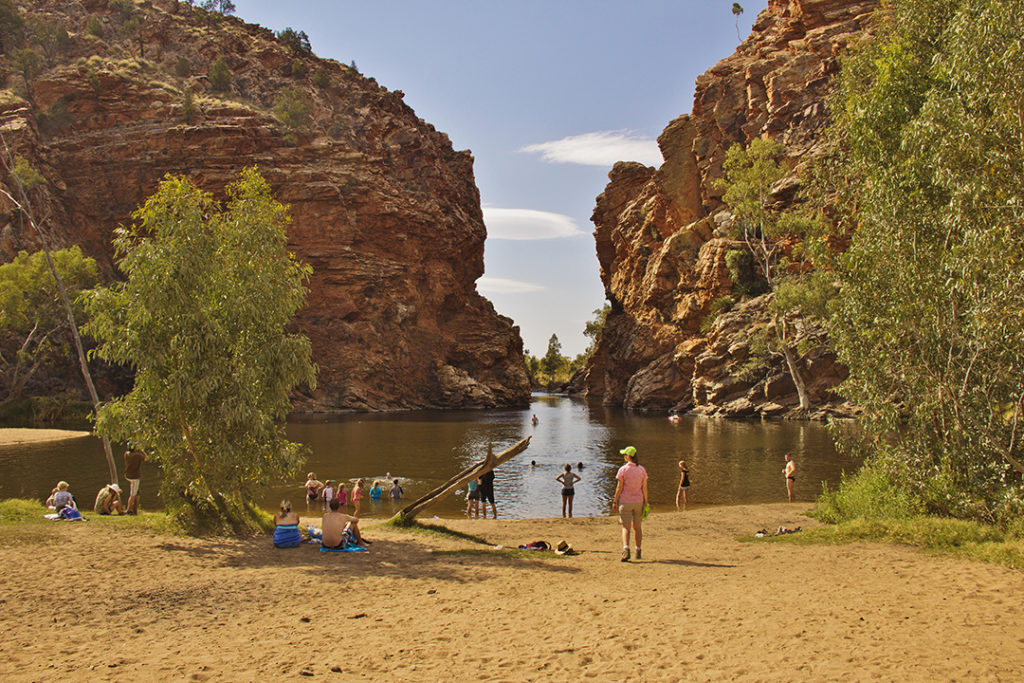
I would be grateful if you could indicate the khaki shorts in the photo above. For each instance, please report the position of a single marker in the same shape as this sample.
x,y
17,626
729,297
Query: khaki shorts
x,y
631,513
133,489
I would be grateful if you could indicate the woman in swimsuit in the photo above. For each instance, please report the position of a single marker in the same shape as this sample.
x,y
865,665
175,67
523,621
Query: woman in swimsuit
x,y
684,483
567,479
286,527
312,486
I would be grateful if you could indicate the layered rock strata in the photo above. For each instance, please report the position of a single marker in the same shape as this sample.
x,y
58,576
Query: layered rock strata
x,y
661,234
383,208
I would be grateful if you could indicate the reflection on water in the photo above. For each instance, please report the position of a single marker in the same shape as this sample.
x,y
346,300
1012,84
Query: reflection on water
x,y
730,461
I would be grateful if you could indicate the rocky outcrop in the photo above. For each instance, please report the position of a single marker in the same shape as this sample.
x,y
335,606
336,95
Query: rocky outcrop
x,y
383,209
661,234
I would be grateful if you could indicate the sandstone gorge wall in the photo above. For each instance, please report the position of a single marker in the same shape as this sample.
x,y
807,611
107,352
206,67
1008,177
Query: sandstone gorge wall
x,y
661,237
383,208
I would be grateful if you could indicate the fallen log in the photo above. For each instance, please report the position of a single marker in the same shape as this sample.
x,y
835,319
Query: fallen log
x,y
409,512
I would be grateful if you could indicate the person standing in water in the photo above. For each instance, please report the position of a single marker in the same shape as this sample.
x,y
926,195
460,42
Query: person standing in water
x,y
630,499
567,479
684,483
790,471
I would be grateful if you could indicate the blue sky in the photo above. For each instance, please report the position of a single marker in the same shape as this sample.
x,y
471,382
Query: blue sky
x,y
547,94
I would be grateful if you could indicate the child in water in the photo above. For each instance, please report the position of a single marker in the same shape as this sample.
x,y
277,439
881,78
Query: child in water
x,y
396,491
684,483
312,486
376,492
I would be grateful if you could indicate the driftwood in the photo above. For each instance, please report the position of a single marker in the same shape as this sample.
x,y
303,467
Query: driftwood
x,y
409,512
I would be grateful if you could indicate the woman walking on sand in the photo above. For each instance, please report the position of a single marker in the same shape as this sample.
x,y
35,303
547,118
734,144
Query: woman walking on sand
x,y
567,479
684,483
630,499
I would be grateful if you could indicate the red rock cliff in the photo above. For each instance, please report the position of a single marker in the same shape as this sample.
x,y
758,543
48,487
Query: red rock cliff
x,y
383,208
660,237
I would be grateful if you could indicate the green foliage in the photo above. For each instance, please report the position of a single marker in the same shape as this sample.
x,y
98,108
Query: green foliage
x,y
94,27
50,37
28,176
189,109
123,8
201,318
722,304
12,27
297,41
595,326
299,70
321,78
224,7
29,64
293,109
745,281
869,494
553,361
55,118
929,320
219,75
182,68
33,321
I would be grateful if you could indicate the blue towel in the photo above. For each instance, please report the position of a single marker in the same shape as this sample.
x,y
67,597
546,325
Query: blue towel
x,y
287,536
350,548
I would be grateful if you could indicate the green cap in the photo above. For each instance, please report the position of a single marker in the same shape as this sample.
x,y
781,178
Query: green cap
x,y
628,450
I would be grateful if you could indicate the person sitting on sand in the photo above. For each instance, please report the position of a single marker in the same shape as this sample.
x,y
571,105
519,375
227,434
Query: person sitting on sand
x,y
286,526
108,500
339,528
61,498
313,487
396,491
567,479
376,492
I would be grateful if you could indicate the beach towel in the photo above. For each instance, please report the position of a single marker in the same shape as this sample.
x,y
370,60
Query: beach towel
x,y
350,548
536,545
287,536
71,514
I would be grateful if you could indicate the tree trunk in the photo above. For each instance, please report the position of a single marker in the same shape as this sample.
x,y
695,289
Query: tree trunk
x,y
24,206
792,364
409,512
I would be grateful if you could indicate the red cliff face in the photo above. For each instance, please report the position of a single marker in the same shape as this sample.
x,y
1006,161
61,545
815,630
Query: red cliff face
x,y
383,209
660,232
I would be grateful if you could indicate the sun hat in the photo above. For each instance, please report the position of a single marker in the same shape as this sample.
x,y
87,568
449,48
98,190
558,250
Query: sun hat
x,y
116,487
628,450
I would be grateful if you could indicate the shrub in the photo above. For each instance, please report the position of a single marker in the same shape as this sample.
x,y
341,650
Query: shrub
x,y
869,494
182,68
93,26
220,75
298,41
189,110
719,306
293,109
299,70
54,119
321,78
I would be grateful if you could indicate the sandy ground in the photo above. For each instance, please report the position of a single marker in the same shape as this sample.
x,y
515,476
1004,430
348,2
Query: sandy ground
x,y
16,435
90,601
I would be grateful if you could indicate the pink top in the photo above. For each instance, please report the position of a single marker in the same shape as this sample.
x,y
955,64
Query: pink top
x,y
632,478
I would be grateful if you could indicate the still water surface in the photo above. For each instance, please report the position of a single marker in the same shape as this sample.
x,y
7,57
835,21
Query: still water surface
x,y
730,461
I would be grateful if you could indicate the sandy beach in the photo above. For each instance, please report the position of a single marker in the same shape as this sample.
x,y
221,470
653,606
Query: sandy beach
x,y
16,435
92,601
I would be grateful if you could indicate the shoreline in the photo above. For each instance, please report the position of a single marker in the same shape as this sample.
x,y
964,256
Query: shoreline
x,y
14,436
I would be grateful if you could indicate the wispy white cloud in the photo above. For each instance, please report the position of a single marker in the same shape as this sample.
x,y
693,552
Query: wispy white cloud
x,y
602,148
497,285
528,224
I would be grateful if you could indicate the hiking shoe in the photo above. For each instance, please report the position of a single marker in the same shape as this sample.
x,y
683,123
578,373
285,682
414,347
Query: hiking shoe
x,y
638,553
625,554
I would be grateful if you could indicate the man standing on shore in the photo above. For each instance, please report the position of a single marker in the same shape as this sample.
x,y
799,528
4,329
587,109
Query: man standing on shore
x,y
133,458
790,472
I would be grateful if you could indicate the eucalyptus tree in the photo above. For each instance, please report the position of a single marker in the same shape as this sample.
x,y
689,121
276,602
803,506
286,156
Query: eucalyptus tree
x,y
929,137
202,317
